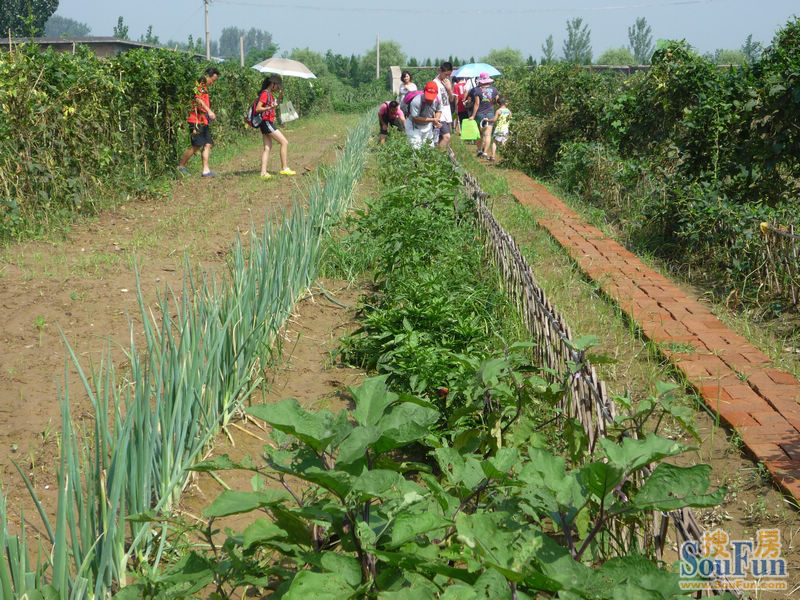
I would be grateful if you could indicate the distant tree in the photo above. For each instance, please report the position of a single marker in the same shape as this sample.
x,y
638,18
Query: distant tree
x,y
256,56
530,61
505,57
412,62
577,47
617,56
229,41
253,39
313,60
640,38
391,54
472,59
428,62
149,38
196,45
354,69
338,65
25,17
58,26
752,50
548,51
121,30
730,57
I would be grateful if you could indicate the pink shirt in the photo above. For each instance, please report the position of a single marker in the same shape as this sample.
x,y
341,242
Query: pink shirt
x,y
393,115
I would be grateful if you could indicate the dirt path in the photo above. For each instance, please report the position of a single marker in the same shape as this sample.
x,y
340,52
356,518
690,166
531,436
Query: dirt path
x,y
84,285
307,373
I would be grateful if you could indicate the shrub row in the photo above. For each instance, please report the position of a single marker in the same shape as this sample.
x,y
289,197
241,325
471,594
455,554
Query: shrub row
x,y
688,156
75,129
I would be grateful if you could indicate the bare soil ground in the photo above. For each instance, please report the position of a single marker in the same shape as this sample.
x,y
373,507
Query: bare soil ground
x,y
82,286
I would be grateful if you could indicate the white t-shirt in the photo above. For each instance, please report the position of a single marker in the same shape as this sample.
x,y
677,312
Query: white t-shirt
x,y
444,100
404,89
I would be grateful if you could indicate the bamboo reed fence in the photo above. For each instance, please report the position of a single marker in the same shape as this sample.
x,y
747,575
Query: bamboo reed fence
x,y
781,260
586,398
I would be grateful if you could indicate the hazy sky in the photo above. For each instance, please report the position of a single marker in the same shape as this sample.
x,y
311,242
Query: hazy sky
x,y
430,29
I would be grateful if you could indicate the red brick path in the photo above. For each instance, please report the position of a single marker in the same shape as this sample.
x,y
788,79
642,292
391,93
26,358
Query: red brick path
x,y
733,377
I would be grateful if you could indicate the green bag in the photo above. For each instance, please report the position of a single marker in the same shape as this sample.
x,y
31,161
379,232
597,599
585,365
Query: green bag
x,y
469,130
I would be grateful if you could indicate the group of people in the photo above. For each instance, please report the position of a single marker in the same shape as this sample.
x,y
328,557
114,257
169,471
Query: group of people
x,y
201,115
433,114
430,115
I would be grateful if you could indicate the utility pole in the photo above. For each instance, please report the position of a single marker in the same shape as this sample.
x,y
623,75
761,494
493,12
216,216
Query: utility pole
x,y
378,57
208,38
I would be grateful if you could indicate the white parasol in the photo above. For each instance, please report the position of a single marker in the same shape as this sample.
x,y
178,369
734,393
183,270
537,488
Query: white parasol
x,y
285,66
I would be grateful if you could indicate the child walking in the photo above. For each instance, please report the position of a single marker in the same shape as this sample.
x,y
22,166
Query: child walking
x,y
501,119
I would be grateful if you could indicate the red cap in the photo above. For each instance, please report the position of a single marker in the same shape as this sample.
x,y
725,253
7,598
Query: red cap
x,y
431,91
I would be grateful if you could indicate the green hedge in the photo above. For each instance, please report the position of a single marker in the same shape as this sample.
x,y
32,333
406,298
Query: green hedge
x,y
687,156
75,128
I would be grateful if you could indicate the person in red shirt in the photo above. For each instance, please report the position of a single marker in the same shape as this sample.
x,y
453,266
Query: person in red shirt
x,y
460,92
271,94
199,118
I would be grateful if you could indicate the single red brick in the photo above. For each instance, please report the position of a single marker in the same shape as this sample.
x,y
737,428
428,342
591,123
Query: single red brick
x,y
739,406
783,378
792,449
769,417
754,356
768,434
713,364
738,390
693,371
738,419
714,392
767,451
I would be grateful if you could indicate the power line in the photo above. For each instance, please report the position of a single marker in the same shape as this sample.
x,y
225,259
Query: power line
x,y
493,10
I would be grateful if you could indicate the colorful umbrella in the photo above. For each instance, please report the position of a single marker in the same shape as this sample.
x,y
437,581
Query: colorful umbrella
x,y
475,69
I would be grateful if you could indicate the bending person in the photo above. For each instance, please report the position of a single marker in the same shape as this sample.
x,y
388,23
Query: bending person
x,y
390,114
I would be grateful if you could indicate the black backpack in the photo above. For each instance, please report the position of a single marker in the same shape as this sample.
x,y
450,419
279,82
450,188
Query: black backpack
x,y
254,119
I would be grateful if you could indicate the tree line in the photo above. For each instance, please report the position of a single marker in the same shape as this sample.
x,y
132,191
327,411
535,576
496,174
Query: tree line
x,y
355,69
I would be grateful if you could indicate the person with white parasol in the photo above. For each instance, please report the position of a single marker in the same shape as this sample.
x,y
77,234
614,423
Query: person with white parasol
x,y
268,100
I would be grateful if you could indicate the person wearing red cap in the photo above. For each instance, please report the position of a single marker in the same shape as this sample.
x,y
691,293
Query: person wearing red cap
x,y
424,112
